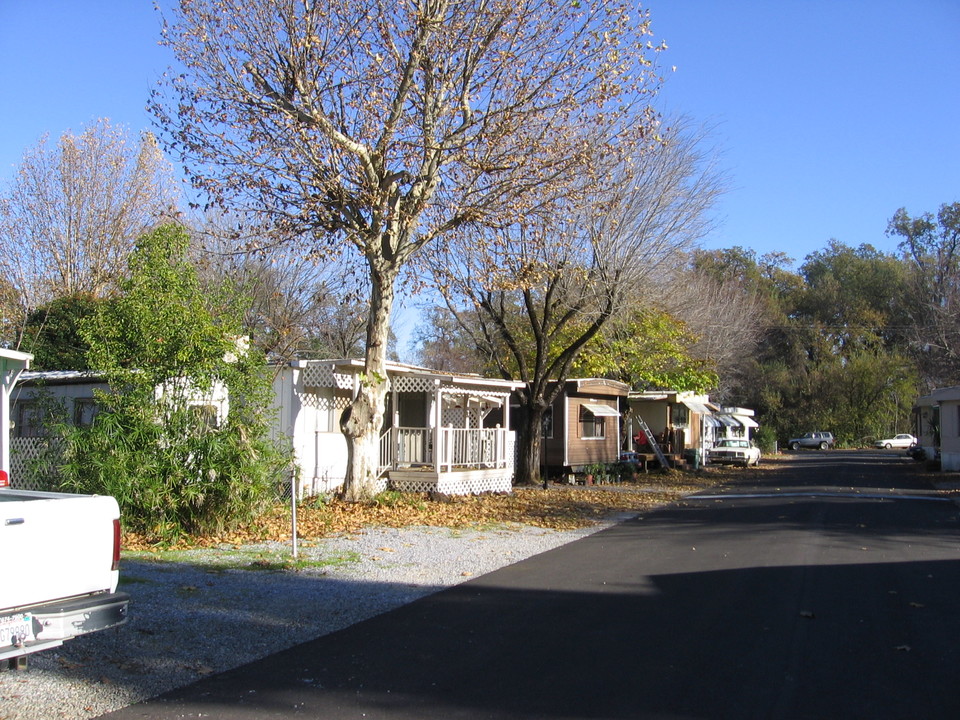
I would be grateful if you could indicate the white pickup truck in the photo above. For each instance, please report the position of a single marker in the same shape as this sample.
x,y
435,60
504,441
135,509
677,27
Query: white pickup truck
x,y
59,560
59,554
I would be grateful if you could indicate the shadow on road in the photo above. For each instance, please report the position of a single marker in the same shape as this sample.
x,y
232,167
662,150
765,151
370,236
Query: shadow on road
x,y
714,644
814,607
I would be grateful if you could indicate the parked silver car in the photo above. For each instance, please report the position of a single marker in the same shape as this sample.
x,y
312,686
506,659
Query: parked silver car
x,y
822,440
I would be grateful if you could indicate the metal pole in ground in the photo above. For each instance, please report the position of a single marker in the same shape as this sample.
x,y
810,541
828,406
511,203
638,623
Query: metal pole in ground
x,y
293,513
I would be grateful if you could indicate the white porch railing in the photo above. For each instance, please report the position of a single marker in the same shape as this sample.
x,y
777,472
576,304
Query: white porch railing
x,y
482,447
456,448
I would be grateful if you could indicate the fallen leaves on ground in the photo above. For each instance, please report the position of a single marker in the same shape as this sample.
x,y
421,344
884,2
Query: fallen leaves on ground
x,y
560,507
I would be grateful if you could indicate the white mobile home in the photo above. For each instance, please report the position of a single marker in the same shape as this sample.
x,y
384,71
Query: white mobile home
x,y
945,418
734,422
73,392
442,432
12,366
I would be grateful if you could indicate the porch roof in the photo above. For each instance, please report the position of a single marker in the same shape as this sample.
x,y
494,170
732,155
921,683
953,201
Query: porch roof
x,y
737,411
597,385
427,376
471,379
945,394
60,377
652,395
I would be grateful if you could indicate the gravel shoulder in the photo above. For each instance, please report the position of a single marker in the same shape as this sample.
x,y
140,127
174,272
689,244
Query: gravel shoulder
x,y
217,609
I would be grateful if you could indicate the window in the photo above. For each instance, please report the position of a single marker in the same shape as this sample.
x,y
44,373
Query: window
x,y
591,426
84,411
28,420
681,415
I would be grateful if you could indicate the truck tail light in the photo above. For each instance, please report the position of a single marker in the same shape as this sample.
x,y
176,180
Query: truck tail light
x,y
4,478
116,545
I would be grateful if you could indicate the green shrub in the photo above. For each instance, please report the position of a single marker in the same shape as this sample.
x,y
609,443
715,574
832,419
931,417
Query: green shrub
x,y
395,498
163,345
766,439
173,478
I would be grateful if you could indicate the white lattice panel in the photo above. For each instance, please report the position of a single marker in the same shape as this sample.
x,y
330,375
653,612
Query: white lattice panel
x,y
314,400
413,384
342,382
33,463
453,416
324,403
450,485
457,484
318,375
323,375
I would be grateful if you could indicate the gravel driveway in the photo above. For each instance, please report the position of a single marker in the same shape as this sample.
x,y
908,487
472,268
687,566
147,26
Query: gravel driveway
x,y
193,618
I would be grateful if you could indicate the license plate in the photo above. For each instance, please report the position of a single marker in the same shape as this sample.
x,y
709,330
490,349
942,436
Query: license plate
x,y
16,630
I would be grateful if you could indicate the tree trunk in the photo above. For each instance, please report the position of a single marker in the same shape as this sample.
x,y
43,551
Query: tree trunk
x,y
529,446
362,421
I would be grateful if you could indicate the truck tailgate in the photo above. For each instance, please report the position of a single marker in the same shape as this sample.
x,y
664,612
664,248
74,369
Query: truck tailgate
x,y
55,546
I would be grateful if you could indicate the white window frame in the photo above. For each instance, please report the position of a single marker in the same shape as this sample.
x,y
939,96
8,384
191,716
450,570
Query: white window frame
x,y
597,423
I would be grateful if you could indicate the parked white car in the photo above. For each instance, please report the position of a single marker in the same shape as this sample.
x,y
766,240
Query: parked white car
x,y
734,451
903,441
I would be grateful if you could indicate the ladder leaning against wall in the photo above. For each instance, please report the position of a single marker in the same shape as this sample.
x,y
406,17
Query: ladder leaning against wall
x,y
652,441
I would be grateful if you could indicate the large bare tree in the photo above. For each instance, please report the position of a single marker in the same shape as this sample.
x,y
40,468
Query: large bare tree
x,y
385,124
74,211
727,320
296,304
542,292
931,247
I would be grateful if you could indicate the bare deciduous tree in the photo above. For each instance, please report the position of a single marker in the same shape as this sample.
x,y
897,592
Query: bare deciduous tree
x,y
931,245
726,319
295,305
441,343
73,213
545,290
384,125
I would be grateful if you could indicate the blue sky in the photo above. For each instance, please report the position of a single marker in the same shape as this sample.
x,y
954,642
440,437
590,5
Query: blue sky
x,y
831,114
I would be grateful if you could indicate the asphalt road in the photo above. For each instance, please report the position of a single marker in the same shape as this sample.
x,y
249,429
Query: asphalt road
x,y
828,590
